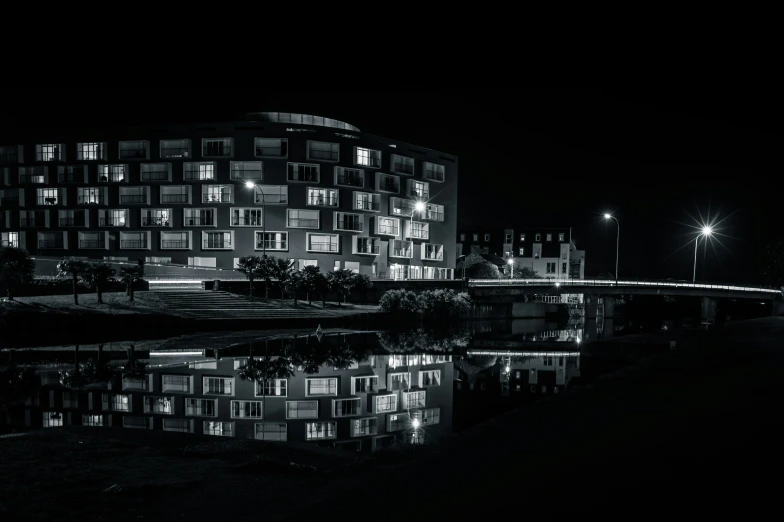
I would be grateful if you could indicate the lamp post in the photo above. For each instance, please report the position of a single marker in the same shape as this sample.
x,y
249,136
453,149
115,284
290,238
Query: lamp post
x,y
418,207
706,231
250,184
510,261
617,244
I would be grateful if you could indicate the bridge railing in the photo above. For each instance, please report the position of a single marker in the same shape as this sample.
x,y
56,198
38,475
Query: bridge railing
x,y
552,282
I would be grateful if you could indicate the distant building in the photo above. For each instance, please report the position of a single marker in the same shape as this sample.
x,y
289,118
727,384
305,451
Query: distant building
x,y
550,252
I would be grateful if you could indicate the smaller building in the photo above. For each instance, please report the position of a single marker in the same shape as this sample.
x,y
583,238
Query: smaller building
x,y
550,252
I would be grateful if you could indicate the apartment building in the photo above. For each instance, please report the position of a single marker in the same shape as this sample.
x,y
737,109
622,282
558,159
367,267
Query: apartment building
x,y
310,189
371,404
550,252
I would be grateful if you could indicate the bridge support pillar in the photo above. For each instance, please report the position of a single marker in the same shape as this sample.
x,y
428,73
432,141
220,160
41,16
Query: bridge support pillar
x,y
591,304
709,309
609,306
778,308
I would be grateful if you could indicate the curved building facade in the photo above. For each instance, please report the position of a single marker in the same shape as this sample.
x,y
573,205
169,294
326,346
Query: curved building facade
x,y
306,188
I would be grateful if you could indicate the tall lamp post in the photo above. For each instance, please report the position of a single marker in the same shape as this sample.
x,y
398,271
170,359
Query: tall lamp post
x,y
617,244
251,185
706,231
418,207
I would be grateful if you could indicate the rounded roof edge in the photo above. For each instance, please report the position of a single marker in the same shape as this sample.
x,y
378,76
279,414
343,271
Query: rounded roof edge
x,y
301,119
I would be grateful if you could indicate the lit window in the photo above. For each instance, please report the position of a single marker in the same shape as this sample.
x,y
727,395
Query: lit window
x,y
462,237
321,430
508,238
367,157
487,237
476,237
549,237
522,251
538,237
560,236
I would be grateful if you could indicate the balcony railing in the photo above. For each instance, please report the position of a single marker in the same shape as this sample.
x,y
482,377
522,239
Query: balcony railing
x,y
434,216
434,255
72,222
323,201
50,243
148,221
368,205
420,192
114,177
223,197
42,200
195,175
419,234
31,179
303,176
401,252
133,243
199,222
217,243
111,222
174,198
240,221
138,153
350,224
174,243
6,243
155,175
216,150
391,230
250,174
388,186
91,243
37,221
322,154
270,151
271,199
71,177
434,175
271,244
175,152
367,249
94,199
353,180
133,198
369,161
303,223
322,246
403,168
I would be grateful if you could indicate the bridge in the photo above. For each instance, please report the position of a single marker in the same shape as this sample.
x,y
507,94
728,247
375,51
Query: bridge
x,y
514,290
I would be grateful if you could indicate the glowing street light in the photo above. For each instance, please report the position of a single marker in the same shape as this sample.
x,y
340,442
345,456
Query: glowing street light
x,y
251,185
415,423
510,262
617,244
706,231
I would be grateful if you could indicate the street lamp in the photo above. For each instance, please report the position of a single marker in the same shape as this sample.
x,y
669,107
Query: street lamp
x,y
706,231
511,267
617,244
250,184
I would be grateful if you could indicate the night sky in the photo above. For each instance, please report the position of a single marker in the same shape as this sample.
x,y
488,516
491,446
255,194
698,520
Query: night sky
x,y
554,157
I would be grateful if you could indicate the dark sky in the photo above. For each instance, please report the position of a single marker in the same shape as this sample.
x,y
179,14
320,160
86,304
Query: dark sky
x,y
556,157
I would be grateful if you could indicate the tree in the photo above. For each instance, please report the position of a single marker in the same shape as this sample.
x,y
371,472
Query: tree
x,y
310,280
526,273
294,282
263,370
16,268
249,265
483,270
270,268
75,378
341,357
305,356
363,282
133,369
74,268
130,275
96,276
342,281
467,262
282,270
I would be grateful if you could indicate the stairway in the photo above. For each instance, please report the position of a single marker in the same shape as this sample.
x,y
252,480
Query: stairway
x,y
189,302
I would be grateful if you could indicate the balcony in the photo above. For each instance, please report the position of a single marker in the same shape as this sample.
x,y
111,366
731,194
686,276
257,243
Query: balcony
x,y
195,175
352,180
134,153
391,230
400,252
323,154
155,175
31,179
93,199
148,221
270,151
246,174
133,198
50,243
242,221
420,192
271,199
216,150
111,222
323,246
419,233
217,243
434,175
72,222
175,152
403,168
367,249
303,223
71,177
388,185
199,222
36,221
8,243
174,198
91,243
368,205
271,244
350,224
133,243
174,243
433,255
323,201
223,197
434,216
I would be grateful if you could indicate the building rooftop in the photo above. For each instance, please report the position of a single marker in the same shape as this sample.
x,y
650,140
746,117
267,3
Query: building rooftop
x,y
300,119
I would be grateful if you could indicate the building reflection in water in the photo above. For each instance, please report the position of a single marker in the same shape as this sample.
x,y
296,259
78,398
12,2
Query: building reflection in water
x,y
358,391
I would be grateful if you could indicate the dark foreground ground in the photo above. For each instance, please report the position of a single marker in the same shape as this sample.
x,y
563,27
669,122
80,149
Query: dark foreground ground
x,y
694,432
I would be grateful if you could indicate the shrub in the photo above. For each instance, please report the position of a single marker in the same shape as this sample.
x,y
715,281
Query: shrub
x,y
438,304
397,301
484,270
